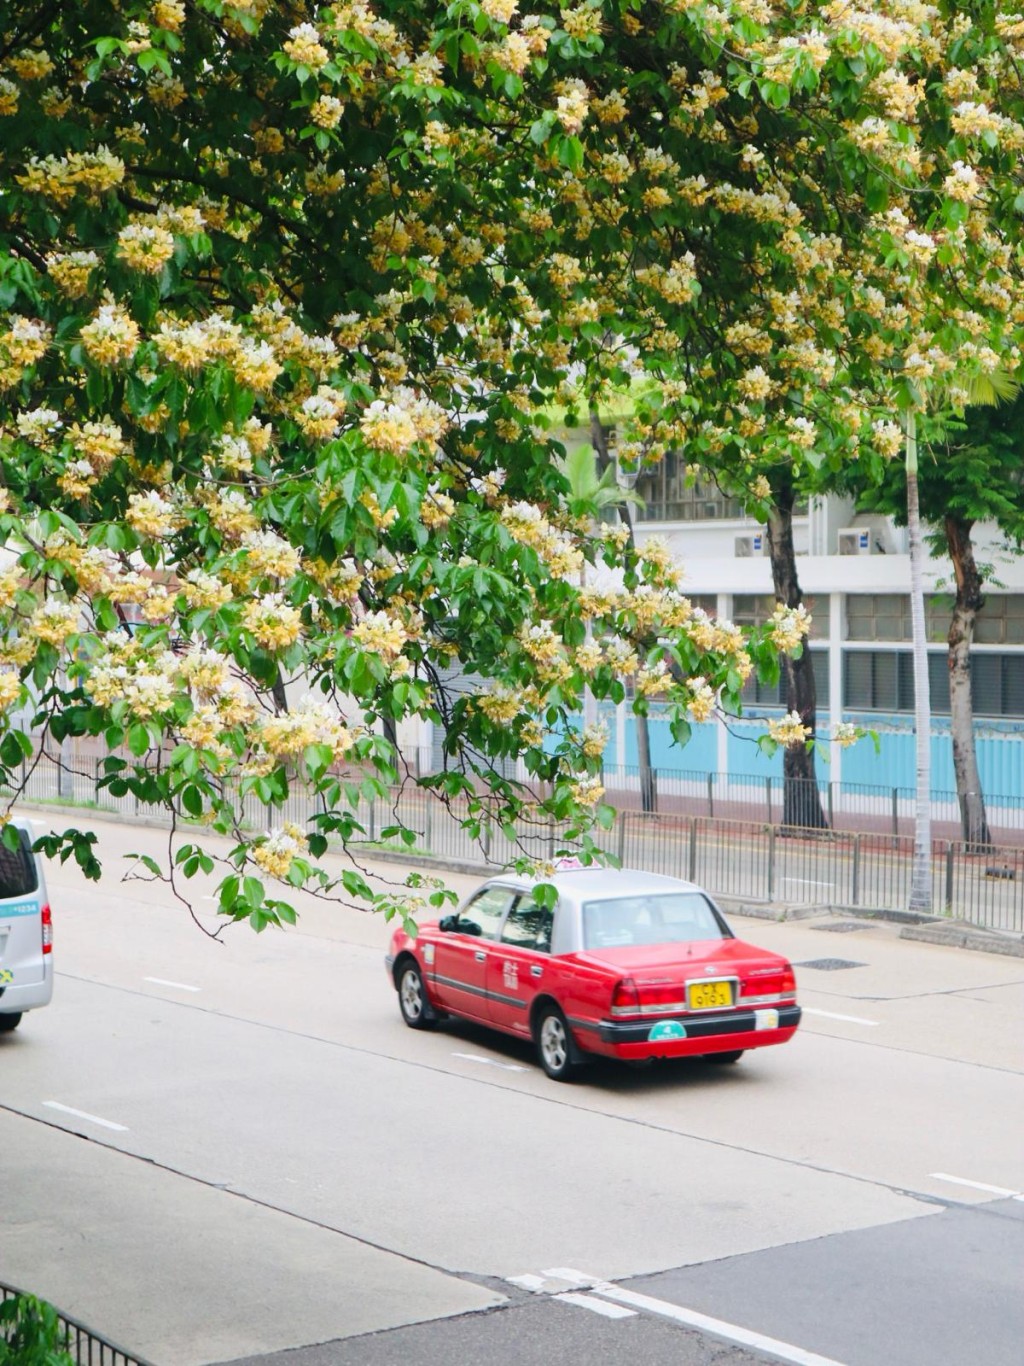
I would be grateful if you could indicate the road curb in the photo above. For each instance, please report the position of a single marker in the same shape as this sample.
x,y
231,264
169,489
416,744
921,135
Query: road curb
x,y
763,910
961,936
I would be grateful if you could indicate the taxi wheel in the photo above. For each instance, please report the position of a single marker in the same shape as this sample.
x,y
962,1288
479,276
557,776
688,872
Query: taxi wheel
x,y
9,1022
555,1047
725,1057
412,998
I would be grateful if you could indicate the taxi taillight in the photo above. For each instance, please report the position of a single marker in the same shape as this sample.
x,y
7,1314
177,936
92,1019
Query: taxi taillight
x,y
788,981
625,997
47,921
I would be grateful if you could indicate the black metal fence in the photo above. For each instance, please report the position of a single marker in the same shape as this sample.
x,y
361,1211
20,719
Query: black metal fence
x,y
83,1345
763,860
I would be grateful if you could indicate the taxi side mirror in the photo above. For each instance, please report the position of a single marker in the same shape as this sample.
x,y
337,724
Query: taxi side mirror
x,y
448,922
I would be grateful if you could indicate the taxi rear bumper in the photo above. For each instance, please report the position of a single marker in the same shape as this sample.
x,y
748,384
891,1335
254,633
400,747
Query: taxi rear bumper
x,y
675,1034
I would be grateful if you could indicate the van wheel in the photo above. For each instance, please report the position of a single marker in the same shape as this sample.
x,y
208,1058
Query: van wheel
x,y
9,1022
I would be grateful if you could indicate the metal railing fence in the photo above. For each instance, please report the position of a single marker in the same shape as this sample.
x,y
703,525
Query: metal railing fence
x,y
83,1345
756,860
844,806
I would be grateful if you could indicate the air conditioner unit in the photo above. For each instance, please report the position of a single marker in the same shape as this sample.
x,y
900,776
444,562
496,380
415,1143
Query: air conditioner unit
x,y
711,509
748,546
856,540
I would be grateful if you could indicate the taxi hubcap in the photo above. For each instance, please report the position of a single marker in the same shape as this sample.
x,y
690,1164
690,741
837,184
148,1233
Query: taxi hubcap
x,y
552,1042
412,997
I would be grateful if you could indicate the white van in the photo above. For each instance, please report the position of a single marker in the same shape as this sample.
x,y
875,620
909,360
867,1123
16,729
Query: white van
x,y
26,931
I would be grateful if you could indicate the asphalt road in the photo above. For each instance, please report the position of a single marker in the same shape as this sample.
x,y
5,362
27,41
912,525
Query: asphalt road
x,y
227,1152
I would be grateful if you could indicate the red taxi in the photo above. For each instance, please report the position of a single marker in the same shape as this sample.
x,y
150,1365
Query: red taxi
x,y
627,964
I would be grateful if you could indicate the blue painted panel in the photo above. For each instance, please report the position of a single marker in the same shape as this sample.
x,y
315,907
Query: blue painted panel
x,y
1000,752
1001,764
1000,755
701,752
744,757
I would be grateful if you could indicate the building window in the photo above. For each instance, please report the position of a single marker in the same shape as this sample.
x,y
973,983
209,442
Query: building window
x,y
997,684
1001,620
669,496
757,694
886,616
883,680
754,609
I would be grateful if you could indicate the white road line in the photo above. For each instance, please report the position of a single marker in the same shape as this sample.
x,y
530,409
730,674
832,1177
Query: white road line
x,y
848,1019
974,1185
163,982
610,1311
566,1273
527,1282
731,1332
491,1062
807,882
83,1114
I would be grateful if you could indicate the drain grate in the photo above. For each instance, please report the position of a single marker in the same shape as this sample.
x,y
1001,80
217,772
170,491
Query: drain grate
x,y
830,964
844,926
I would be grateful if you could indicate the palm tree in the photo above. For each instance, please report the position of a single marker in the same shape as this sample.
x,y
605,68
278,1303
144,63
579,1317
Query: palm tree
x,y
921,875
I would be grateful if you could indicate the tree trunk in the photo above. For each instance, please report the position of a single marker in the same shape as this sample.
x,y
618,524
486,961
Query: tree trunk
x,y
969,601
648,794
279,695
921,877
801,800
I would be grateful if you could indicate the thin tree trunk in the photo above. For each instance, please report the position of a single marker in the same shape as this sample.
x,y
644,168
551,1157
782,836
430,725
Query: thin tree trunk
x,y
969,601
648,794
279,695
921,877
801,800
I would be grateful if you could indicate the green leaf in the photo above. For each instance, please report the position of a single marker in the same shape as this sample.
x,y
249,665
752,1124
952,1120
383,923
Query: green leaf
x,y
138,739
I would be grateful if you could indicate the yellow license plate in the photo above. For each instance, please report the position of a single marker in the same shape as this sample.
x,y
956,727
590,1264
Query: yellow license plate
x,y
708,995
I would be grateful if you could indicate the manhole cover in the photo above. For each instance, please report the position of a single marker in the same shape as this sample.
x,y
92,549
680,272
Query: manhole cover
x,y
830,964
844,926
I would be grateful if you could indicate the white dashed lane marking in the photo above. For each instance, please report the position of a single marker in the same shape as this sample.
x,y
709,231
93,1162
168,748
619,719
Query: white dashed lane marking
x,y
84,1114
490,1062
175,986
847,1019
977,1185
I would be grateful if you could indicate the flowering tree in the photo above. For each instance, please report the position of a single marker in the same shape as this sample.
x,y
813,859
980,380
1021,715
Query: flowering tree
x,y
287,288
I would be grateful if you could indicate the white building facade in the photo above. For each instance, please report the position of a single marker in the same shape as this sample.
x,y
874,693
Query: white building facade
x,y
854,572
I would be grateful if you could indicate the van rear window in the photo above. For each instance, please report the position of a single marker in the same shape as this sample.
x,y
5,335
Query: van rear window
x,y
18,874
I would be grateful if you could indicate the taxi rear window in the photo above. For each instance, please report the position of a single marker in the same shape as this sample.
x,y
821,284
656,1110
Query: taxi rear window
x,y
672,918
18,874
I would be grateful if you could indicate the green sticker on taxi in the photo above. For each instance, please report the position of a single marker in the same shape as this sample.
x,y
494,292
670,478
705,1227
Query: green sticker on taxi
x,y
667,1029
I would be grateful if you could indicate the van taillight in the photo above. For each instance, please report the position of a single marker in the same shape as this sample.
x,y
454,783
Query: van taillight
x,y
625,998
47,920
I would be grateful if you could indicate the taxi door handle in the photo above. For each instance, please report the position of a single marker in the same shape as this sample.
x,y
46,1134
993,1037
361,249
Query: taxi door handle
x,y
536,971
480,956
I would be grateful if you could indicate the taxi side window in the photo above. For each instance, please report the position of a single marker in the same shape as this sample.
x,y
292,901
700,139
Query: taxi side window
x,y
483,914
529,926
